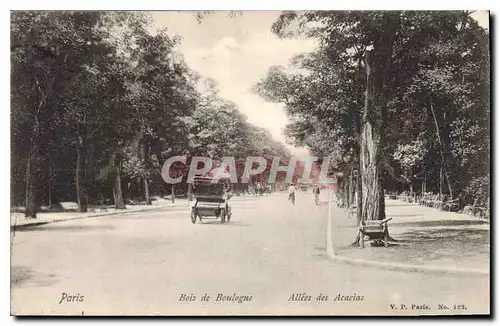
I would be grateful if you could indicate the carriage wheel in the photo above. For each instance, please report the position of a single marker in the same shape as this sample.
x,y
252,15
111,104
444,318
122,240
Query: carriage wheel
x,y
193,216
223,215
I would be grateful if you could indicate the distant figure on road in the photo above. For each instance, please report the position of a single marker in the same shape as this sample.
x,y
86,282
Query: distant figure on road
x,y
316,192
291,193
227,193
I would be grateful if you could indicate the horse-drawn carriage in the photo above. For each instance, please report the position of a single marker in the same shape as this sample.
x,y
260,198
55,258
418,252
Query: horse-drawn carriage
x,y
211,199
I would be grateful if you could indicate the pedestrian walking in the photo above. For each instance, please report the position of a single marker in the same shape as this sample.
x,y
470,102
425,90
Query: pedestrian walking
x,y
316,193
291,193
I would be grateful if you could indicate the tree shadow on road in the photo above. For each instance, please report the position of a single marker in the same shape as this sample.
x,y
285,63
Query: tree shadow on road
x,y
27,226
439,223
132,216
458,235
225,224
66,228
396,205
20,275
467,247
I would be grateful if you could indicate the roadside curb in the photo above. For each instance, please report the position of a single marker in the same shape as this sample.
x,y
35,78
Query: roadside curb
x,y
407,268
38,223
393,266
35,223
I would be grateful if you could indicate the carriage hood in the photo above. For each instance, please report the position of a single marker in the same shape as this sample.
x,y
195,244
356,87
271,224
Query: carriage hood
x,y
209,199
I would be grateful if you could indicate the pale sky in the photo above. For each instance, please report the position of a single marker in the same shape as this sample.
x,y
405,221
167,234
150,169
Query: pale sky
x,y
237,52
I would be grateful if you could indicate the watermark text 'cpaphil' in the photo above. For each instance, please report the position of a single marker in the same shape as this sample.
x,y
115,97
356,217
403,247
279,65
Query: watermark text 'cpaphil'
x,y
174,169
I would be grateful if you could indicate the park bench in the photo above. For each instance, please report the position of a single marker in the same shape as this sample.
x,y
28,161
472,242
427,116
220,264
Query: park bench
x,y
451,205
101,206
475,210
352,211
375,231
436,204
407,198
478,211
403,198
481,212
430,200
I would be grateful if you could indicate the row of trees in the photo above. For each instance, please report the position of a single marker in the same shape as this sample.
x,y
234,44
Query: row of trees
x,y
98,103
400,99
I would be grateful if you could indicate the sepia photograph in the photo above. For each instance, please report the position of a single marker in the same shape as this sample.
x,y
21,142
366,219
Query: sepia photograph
x,y
250,163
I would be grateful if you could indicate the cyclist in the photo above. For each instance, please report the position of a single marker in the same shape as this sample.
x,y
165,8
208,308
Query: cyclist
x,y
316,193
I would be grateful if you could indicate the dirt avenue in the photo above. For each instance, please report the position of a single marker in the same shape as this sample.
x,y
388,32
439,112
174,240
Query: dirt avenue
x,y
158,262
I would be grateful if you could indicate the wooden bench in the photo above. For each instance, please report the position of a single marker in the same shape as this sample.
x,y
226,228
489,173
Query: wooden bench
x,y
481,212
436,204
451,205
374,231
101,206
352,211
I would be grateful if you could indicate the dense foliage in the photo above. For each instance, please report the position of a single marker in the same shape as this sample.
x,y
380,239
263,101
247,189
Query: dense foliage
x,y
98,103
410,88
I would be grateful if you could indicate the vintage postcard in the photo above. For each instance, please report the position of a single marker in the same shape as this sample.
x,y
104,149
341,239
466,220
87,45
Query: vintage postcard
x,y
324,163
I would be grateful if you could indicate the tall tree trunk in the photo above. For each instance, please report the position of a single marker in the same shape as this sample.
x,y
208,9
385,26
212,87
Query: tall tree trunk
x,y
81,174
32,166
370,176
443,162
146,191
346,189
371,149
139,189
425,182
359,183
381,197
145,157
340,191
31,178
378,66
440,183
422,191
359,197
190,191
352,188
49,190
34,147
117,186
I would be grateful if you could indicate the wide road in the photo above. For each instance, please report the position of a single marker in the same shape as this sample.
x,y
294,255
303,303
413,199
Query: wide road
x,y
144,263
